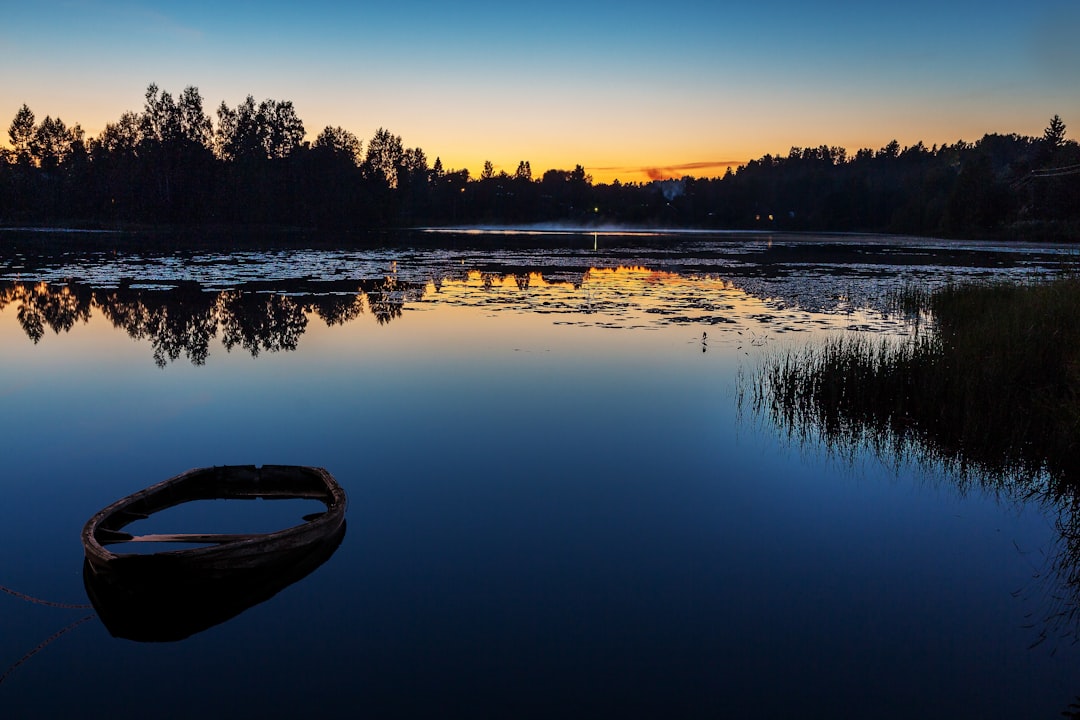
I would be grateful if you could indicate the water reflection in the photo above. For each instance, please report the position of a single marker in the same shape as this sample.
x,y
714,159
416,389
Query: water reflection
x,y
261,301
41,305
183,321
183,318
161,602
550,472
979,398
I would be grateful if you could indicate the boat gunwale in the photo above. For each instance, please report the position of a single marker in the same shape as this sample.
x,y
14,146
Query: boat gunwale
x,y
330,494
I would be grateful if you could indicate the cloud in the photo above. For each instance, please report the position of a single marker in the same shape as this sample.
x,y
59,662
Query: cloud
x,y
661,172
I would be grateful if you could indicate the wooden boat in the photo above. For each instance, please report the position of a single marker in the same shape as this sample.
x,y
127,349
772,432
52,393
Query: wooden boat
x,y
226,552
172,594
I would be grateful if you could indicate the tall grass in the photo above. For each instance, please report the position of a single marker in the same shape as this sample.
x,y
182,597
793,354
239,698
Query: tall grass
x,y
1012,354
849,391
993,385
990,391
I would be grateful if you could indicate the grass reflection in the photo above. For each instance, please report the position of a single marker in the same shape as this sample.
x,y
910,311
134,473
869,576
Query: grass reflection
x,y
988,388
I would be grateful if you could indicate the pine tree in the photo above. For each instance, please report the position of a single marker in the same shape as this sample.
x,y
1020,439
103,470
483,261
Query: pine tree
x,y
21,134
1054,135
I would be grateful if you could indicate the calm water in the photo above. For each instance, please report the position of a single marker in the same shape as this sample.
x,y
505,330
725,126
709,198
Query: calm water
x,y
556,505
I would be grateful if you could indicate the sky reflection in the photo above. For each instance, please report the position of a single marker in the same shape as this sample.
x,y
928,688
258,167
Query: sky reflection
x,y
550,508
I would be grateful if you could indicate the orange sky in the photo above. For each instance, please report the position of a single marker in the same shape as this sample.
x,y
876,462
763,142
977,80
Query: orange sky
x,y
629,90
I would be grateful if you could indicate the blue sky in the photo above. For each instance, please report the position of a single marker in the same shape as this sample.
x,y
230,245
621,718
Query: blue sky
x,y
615,86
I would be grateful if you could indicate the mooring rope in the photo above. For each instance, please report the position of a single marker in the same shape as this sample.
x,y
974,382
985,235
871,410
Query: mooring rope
x,y
39,601
44,644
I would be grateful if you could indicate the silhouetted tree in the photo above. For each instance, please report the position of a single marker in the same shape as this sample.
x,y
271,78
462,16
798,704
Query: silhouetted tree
x,y
383,157
122,137
237,134
21,135
578,175
270,130
1054,135
261,147
174,150
52,143
413,165
170,163
161,117
891,150
280,128
120,176
18,184
195,125
336,193
413,187
339,142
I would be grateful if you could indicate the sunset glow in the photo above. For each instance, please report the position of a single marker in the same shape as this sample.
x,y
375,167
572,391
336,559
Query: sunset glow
x,y
627,90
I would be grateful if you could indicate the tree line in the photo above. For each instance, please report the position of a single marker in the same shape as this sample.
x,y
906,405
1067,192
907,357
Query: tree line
x,y
171,164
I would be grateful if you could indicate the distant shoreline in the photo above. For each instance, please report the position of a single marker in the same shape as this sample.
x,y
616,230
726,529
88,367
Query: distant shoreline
x,y
166,238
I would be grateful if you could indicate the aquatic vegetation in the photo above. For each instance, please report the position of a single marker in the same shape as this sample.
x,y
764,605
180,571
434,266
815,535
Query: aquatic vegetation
x,y
989,390
990,385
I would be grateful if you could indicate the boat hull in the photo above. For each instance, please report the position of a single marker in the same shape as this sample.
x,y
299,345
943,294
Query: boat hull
x,y
172,594
162,602
226,553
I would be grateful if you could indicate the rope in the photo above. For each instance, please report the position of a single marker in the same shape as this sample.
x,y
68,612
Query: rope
x,y
39,601
44,644
1055,172
1048,173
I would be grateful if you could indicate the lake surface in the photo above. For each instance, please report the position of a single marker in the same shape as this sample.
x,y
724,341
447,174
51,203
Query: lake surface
x,y
557,504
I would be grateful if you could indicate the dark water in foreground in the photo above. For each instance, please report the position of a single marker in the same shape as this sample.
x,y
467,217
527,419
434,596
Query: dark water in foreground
x,y
556,507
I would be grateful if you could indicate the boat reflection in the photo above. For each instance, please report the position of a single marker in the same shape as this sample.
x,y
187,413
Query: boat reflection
x,y
158,602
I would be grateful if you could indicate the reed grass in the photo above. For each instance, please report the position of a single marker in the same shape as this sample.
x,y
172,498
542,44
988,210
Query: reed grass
x,y
990,391
992,386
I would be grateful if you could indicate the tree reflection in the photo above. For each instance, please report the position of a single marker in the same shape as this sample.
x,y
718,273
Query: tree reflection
x,y
176,322
386,298
40,306
182,321
260,322
339,309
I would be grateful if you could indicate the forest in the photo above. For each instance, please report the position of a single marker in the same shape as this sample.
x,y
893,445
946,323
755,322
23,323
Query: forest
x,y
171,165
